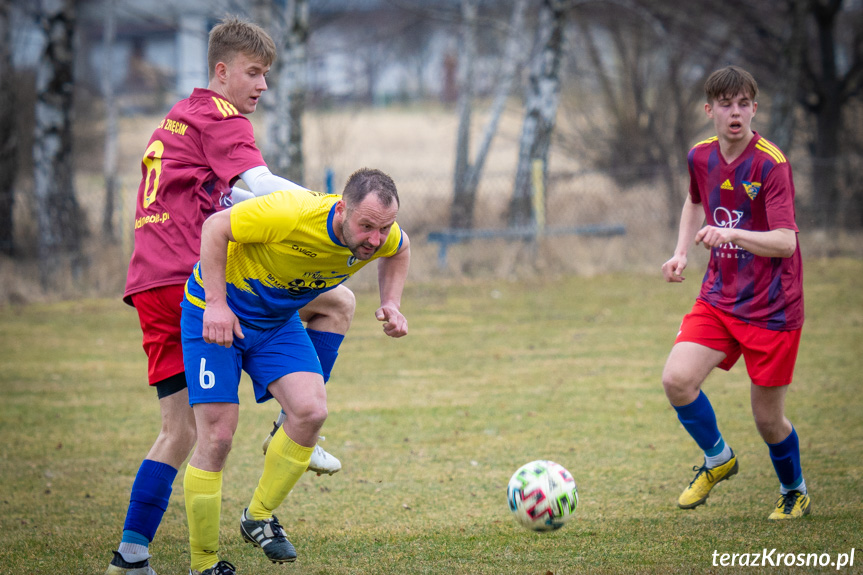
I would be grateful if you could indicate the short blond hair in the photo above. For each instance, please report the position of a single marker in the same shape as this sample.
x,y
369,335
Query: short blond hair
x,y
729,82
234,36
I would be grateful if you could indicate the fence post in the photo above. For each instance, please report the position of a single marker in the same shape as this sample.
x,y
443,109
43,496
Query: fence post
x,y
329,176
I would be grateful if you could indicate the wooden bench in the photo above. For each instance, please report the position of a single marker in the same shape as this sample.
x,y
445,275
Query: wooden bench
x,y
448,237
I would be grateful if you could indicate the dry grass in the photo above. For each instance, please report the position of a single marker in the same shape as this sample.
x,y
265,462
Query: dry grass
x,y
495,373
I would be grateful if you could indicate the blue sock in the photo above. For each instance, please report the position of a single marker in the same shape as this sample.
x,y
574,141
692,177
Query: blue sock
x,y
327,346
786,461
699,420
151,492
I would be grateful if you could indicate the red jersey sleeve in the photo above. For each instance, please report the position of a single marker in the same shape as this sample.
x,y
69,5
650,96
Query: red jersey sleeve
x,y
229,147
779,198
697,162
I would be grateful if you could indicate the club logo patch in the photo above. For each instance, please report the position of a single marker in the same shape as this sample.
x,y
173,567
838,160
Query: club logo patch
x,y
752,189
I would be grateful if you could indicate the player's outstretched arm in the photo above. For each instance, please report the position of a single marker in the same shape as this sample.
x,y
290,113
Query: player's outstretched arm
x,y
392,275
691,219
261,181
220,323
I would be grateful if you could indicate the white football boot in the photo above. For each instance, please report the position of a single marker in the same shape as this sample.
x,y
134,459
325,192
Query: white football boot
x,y
323,462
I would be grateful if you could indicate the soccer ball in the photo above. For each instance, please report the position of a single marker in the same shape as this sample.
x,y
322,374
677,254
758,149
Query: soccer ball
x,y
542,495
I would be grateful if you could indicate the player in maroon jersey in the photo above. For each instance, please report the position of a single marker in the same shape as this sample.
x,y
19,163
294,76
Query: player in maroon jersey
x,y
751,299
201,148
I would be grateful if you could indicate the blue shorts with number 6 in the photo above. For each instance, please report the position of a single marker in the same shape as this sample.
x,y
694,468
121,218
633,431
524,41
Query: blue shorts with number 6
x,y
213,371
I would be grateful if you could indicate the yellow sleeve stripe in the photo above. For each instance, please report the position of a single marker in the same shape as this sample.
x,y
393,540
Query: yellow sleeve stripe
x,y
771,150
225,107
707,141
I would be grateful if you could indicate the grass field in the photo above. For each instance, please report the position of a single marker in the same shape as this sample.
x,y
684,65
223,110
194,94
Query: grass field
x,y
430,428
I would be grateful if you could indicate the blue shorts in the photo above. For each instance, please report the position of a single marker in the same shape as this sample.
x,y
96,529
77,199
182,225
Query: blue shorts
x,y
213,371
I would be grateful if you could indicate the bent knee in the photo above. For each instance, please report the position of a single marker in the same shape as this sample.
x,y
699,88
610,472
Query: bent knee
x,y
679,388
673,381
344,303
318,416
331,311
312,416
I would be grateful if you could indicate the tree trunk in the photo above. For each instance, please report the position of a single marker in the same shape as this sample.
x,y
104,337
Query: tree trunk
x,y
291,33
61,223
469,174
110,168
461,215
8,139
782,119
827,121
541,102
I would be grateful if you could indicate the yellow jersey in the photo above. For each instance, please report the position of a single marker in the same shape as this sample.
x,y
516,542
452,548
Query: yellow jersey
x,y
286,253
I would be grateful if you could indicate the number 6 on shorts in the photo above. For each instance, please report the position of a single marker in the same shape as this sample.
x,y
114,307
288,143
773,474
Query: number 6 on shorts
x,y
207,379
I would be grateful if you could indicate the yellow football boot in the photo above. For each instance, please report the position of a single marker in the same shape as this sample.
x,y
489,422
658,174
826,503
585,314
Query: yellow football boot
x,y
706,479
791,506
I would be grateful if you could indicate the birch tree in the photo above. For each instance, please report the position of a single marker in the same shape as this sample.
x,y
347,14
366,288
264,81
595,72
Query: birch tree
x,y
461,214
60,221
467,174
290,30
541,102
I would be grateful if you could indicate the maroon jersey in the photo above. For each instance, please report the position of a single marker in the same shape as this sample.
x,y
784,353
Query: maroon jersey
x,y
196,153
754,192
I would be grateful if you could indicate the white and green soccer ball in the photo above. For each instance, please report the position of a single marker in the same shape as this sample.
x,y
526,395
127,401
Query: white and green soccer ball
x,y
542,495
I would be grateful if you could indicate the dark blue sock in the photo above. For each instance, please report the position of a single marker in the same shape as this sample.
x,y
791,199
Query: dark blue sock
x,y
327,346
699,420
786,460
151,492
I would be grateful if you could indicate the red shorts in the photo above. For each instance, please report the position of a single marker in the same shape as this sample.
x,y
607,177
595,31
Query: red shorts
x,y
770,355
159,313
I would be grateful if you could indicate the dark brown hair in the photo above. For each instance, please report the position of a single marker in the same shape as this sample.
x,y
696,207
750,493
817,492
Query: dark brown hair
x,y
367,181
729,82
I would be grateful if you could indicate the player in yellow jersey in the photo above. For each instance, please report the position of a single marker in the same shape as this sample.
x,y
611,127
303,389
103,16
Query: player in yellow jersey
x,y
261,261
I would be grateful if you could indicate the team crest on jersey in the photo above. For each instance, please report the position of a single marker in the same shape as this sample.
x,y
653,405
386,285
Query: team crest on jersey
x,y
752,189
727,185
352,260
